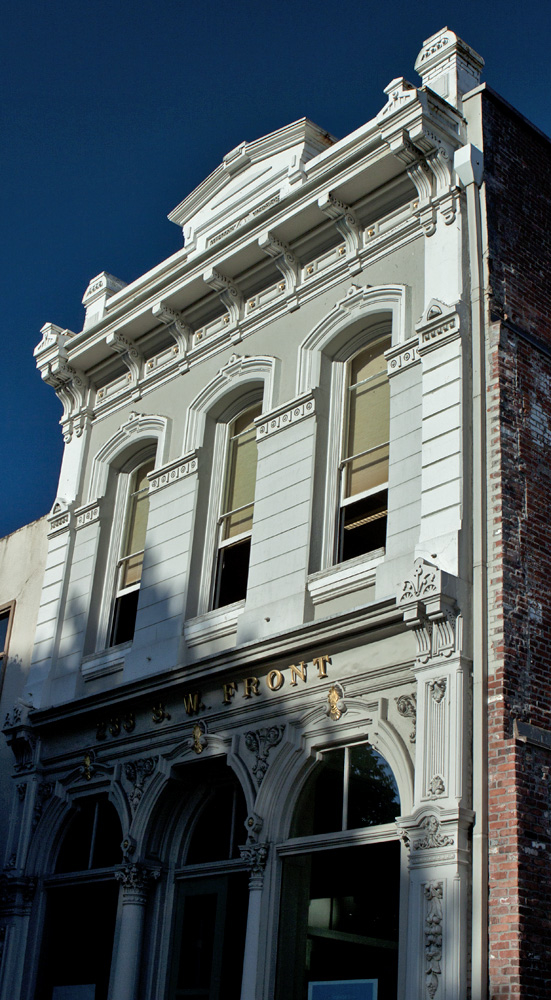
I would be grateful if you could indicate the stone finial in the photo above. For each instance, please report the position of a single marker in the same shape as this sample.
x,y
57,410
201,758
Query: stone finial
x,y
99,290
449,66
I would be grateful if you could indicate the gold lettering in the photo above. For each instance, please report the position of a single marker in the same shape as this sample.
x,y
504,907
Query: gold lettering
x,y
275,680
192,702
251,686
229,690
299,671
320,662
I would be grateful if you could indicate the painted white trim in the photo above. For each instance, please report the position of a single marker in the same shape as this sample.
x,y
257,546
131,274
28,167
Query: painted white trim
x,y
358,304
137,430
238,371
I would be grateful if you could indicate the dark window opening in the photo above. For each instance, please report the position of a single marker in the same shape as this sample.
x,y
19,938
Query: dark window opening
x,y
79,927
352,787
220,828
340,919
363,526
232,573
124,618
93,838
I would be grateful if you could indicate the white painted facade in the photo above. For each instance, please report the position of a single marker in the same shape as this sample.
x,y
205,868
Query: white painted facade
x,y
299,251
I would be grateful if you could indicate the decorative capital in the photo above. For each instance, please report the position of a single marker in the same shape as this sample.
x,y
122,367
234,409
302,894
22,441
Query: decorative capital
x,y
255,857
16,893
136,880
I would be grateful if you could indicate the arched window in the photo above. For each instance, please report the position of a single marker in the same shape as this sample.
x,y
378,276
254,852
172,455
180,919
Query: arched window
x,y
211,899
237,506
130,562
341,879
81,905
365,451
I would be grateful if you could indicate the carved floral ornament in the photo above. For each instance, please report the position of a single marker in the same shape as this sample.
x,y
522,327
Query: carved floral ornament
x,y
260,742
137,773
433,892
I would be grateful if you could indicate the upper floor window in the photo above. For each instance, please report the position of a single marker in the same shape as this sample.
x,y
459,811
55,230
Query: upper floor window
x,y
236,516
130,562
364,463
6,620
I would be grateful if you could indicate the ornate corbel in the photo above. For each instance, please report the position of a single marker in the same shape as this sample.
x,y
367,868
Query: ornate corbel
x,y
71,387
430,610
21,739
178,329
228,293
131,357
137,773
286,263
347,225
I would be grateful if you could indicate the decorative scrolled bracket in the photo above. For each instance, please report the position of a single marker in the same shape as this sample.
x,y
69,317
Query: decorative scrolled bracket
x,y
255,856
71,387
136,881
129,353
286,263
229,295
431,612
347,225
178,329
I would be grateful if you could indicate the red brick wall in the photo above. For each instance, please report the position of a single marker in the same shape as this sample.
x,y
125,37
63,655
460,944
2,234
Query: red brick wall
x,y
518,197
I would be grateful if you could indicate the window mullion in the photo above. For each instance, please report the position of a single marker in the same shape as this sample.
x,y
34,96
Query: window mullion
x,y
345,787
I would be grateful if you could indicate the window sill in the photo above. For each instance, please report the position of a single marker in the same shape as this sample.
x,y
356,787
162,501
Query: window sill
x,y
214,624
345,578
107,661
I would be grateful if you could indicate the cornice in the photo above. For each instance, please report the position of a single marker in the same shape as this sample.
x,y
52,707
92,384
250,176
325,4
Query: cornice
x,y
337,629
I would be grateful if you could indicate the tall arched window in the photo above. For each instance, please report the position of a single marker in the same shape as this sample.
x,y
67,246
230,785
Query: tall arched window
x,y
130,562
365,451
236,515
81,905
341,879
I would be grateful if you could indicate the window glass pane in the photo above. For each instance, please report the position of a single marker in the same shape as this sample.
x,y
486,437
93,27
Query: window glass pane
x,y
233,572
368,428
4,622
372,790
321,803
241,477
339,921
219,828
369,362
363,525
138,510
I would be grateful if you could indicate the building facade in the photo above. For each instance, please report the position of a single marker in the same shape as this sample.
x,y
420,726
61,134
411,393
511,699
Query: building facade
x,y
283,688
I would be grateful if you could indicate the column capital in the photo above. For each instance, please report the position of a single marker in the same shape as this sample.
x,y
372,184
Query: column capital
x,y
136,880
16,893
255,857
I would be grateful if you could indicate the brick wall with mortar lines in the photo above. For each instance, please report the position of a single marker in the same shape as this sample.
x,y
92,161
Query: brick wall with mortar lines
x,y
518,181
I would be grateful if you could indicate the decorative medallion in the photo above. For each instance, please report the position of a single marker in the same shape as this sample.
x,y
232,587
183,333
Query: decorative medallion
x,y
437,786
432,838
406,705
438,689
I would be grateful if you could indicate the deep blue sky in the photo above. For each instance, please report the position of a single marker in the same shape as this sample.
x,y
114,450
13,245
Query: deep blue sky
x,y
112,112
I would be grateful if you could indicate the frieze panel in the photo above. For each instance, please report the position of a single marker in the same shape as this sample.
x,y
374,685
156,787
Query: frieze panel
x,y
172,473
271,423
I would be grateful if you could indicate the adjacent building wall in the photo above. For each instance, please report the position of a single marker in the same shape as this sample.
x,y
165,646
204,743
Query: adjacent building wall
x,y
517,183
22,562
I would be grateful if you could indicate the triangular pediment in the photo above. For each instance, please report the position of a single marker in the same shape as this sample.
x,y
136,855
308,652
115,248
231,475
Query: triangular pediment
x,y
250,180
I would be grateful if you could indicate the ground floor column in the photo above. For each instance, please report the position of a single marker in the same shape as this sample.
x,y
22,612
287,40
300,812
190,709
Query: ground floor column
x,y
255,856
16,893
135,882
